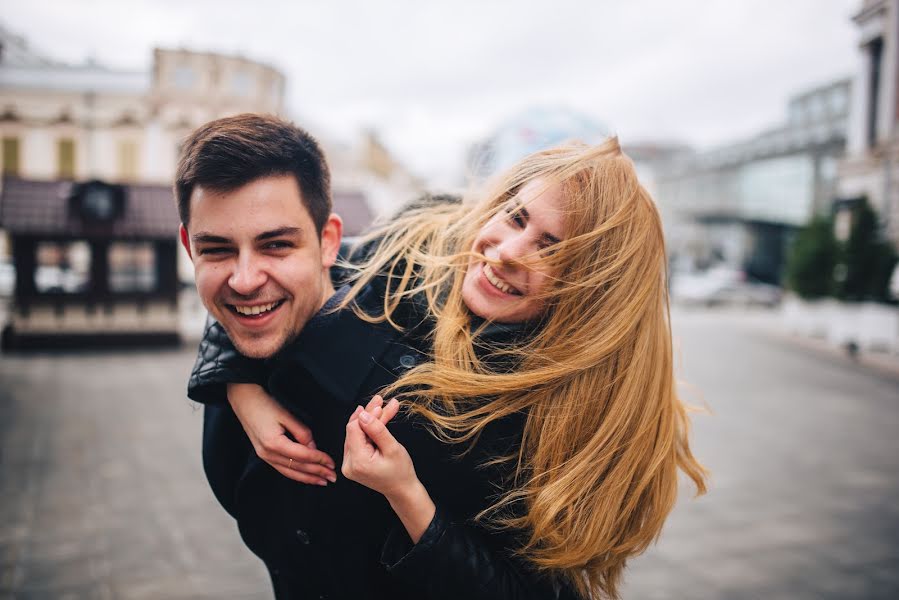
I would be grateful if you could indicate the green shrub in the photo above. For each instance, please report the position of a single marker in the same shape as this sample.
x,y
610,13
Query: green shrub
x,y
812,259
866,260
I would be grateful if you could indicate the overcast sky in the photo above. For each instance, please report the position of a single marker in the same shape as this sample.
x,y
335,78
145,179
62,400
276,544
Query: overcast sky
x,y
432,77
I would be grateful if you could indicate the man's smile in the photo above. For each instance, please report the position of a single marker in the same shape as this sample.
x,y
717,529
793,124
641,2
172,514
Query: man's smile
x,y
255,314
255,309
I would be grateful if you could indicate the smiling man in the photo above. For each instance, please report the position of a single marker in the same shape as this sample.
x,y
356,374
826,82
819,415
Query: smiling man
x,y
253,194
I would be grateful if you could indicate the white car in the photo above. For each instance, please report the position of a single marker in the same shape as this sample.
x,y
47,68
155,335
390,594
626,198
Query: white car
x,y
722,285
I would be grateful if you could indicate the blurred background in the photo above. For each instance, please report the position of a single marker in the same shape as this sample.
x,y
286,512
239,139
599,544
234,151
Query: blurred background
x,y
767,132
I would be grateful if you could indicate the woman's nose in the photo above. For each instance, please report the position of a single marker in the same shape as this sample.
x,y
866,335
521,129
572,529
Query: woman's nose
x,y
514,250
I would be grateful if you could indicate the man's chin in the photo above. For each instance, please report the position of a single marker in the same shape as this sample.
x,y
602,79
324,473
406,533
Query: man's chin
x,y
262,347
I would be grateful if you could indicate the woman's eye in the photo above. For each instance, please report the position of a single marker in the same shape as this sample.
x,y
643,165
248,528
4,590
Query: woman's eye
x,y
516,217
548,250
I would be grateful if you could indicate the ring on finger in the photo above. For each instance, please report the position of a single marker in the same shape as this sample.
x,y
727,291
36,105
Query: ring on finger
x,y
290,464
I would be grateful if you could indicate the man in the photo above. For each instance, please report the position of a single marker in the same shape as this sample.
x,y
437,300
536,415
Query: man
x,y
253,194
254,201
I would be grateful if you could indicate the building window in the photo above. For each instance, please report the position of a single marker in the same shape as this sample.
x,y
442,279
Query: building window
x,y
275,91
132,267
62,267
10,156
839,101
875,50
65,154
241,84
184,77
128,160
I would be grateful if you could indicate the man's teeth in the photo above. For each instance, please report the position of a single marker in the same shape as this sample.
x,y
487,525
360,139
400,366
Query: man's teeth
x,y
497,282
255,310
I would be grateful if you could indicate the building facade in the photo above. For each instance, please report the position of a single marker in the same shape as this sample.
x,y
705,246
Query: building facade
x,y
79,122
738,204
871,166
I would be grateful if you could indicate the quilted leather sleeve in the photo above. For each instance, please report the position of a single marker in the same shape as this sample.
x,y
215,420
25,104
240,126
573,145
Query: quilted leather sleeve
x,y
458,560
219,363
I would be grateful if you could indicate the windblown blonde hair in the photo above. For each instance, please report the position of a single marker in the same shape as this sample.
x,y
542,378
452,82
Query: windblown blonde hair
x,y
605,432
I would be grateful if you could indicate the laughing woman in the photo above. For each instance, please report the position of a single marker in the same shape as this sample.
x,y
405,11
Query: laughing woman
x,y
542,305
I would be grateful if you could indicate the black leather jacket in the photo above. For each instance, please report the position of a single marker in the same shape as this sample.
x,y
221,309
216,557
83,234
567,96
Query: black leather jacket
x,y
343,540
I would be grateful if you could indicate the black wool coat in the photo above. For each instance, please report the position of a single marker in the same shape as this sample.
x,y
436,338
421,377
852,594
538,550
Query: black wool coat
x,y
343,540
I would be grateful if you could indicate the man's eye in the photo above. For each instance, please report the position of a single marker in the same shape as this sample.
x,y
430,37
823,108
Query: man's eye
x,y
278,245
207,251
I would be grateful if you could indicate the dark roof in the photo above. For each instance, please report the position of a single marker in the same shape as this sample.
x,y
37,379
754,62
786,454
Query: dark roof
x,y
42,208
354,210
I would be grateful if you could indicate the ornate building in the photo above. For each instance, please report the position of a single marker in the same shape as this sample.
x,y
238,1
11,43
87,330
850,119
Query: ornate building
x,y
871,167
61,121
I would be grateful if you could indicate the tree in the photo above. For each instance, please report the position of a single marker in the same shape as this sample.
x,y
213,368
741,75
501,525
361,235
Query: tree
x,y
866,259
812,259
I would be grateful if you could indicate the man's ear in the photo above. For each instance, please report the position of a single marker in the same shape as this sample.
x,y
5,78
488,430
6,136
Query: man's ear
x,y
332,233
185,240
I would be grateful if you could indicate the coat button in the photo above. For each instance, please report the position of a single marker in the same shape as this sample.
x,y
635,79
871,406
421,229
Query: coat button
x,y
303,537
407,361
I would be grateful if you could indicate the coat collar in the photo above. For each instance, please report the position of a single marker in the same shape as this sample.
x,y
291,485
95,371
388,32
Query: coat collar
x,y
337,349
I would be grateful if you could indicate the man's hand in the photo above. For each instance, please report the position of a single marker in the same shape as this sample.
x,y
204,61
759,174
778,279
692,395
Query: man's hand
x,y
268,424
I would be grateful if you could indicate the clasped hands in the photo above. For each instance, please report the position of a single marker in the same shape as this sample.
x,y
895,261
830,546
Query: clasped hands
x,y
372,456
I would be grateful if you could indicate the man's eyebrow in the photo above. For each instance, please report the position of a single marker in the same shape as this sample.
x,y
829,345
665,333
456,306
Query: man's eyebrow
x,y
208,238
280,232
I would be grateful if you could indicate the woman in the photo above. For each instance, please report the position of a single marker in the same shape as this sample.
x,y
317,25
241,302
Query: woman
x,y
546,313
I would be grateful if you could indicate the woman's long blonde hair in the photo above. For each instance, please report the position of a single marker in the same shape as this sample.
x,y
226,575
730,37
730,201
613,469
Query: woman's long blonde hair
x,y
605,432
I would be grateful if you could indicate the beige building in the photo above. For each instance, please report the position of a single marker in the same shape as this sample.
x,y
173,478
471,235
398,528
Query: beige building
x,y
60,121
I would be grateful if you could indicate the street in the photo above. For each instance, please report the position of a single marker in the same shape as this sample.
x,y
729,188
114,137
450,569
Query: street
x,y
103,494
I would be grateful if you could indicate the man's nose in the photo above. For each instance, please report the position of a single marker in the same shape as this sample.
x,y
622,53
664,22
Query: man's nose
x,y
247,277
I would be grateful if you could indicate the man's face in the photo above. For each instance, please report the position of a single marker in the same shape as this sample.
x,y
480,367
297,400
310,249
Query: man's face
x,y
260,267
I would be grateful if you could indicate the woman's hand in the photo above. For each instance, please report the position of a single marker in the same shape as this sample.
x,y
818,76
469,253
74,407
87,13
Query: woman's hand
x,y
267,425
373,457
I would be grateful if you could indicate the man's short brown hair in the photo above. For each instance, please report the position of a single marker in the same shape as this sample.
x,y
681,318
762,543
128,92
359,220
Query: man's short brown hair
x,y
226,154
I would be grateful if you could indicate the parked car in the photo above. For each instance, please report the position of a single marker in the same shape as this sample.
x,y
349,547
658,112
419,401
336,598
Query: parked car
x,y
722,285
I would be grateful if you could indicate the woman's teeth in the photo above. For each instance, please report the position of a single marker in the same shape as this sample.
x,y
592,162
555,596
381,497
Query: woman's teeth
x,y
255,310
499,283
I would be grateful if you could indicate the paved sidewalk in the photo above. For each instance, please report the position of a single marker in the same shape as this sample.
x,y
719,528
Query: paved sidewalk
x,y
102,489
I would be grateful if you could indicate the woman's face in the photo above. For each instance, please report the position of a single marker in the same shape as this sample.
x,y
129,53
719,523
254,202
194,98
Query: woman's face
x,y
531,221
